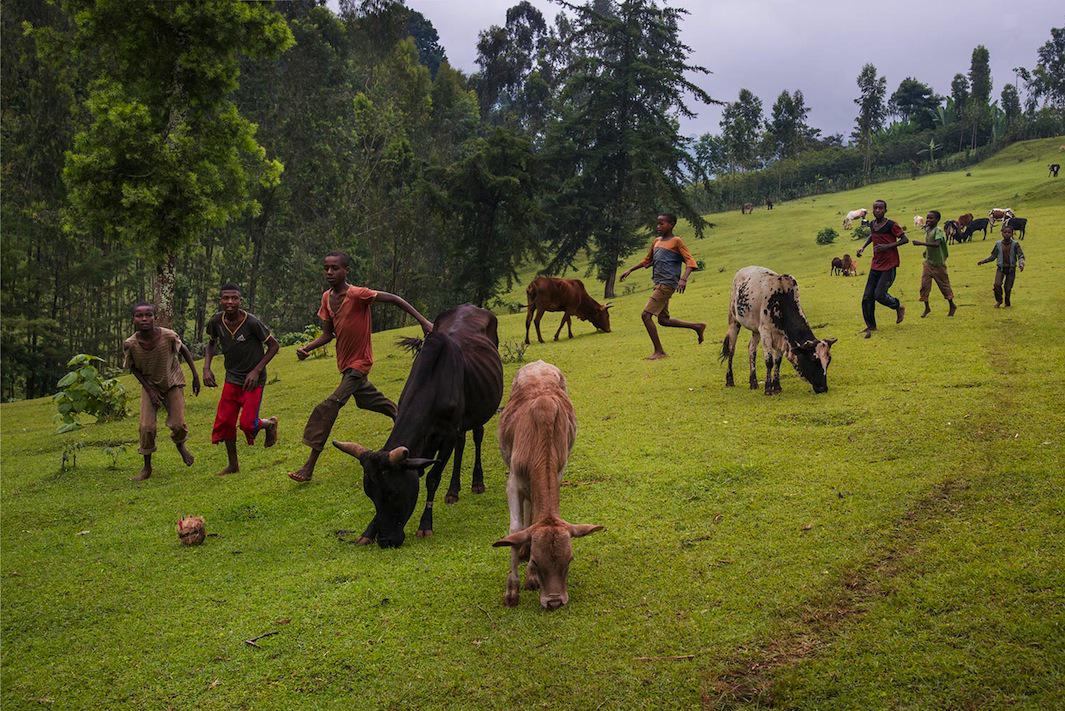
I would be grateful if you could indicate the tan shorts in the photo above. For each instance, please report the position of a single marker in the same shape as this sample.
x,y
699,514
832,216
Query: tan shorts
x,y
658,304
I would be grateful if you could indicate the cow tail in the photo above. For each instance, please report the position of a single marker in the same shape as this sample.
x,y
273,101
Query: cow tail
x,y
724,350
413,345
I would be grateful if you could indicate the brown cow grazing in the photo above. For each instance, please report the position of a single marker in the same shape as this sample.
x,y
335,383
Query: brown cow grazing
x,y
964,220
850,267
837,266
767,303
997,214
536,433
748,208
568,295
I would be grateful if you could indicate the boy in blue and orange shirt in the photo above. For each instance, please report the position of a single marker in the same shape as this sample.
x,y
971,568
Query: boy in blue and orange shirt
x,y
666,256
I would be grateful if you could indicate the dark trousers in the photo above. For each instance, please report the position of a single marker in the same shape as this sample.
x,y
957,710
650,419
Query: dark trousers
x,y
1004,278
876,286
367,397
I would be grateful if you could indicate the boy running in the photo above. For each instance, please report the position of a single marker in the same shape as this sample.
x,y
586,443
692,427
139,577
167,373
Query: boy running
x,y
935,263
887,236
1009,257
345,315
248,346
151,355
666,255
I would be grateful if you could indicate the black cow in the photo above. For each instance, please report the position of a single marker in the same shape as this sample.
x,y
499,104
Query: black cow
x,y
1054,168
455,385
1018,224
978,225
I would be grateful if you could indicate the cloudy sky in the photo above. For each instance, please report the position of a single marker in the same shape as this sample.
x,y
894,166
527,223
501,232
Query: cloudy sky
x,y
818,46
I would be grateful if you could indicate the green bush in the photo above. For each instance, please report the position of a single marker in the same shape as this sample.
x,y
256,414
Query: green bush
x,y
827,236
861,232
84,390
512,351
308,334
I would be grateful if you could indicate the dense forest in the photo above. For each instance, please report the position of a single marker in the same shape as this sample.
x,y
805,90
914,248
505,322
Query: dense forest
x,y
155,150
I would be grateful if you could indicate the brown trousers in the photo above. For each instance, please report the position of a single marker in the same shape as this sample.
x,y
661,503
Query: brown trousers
x,y
367,397
1004,278
939,276
174,402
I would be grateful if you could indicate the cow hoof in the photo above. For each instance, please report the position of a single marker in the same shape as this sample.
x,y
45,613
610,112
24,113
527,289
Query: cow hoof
x,y
729,382
477,488
754,385
424,532
511,598
451,498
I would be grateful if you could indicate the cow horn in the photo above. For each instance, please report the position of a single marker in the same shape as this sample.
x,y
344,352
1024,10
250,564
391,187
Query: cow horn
x,y
353,448
398,455
608,305
831,341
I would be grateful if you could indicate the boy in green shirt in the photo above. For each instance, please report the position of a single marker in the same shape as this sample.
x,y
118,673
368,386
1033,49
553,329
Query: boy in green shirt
x,y
935,263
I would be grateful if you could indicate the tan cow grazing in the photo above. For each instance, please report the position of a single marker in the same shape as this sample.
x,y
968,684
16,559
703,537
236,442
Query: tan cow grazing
x,y
859,214
536,434
850,267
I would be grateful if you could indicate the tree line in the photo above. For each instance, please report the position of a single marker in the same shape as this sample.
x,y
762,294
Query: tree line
x,y
910,131
155,150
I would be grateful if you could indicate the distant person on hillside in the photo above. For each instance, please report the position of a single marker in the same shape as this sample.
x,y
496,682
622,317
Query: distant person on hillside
x,y
345,315
887,236
151,354
248,346
666,256
1009,257
935,263
768,204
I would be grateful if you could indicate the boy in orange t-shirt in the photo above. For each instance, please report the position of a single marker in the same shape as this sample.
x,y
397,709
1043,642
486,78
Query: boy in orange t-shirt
x,y
345,315
666,256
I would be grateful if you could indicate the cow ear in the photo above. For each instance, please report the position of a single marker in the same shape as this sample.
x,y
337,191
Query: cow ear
x,y
398,455
418,463
577,530
353,448
516,539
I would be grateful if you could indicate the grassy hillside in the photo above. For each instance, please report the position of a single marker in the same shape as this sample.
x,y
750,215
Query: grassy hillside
x,y
896,542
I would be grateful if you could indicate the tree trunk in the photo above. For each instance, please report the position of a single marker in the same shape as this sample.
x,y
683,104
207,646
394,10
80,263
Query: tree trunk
x,y
608,289
164,291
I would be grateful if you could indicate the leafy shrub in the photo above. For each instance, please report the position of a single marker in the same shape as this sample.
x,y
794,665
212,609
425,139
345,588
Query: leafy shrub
x,y
512,351
700,265
308,334
83,390
861,232
827,236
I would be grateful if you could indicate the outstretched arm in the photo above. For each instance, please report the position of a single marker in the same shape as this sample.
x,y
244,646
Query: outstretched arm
x,y
251,380
647,261
386,298
208,356
327,335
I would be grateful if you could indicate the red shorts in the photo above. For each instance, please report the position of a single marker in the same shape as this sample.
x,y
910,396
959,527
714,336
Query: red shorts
x,y
237,401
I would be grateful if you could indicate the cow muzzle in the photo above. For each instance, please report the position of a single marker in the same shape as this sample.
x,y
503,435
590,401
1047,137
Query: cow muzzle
x,y
552,602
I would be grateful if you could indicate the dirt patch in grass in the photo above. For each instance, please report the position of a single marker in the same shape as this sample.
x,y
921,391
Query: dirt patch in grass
x,y
748,677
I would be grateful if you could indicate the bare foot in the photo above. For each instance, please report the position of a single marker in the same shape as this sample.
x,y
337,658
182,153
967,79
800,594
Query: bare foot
x,y
363,540
998,306
142,475
424,532
657,355
186,455
270,425
926,311
699,331
902,314
303,474
229,470
868,333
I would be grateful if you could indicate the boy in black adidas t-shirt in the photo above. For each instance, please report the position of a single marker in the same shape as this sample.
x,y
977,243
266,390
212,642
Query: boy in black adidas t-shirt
x,y
248,346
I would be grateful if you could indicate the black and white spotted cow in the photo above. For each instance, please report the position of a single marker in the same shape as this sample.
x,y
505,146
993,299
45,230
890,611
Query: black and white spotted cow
x,y
767,303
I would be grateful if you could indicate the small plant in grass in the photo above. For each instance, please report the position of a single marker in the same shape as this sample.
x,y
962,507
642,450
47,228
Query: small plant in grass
x,y
114,451
69,461
861,232
827,236
308,334
512,351
85,390
700,265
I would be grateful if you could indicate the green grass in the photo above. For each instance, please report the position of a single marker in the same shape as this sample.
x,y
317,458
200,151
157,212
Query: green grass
x,y
894,543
